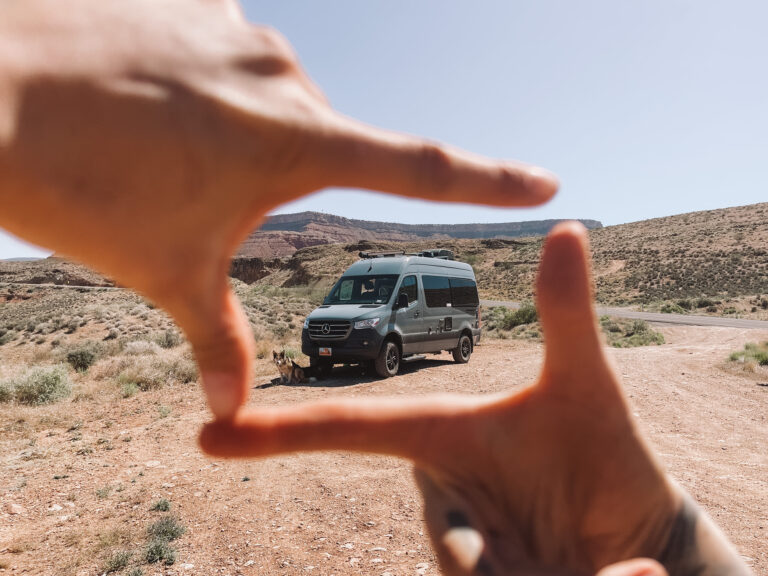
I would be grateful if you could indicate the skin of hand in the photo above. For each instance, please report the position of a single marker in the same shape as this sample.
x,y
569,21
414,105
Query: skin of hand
x,y
148,141
551,478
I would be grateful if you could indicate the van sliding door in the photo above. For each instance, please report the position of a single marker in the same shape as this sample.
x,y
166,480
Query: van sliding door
x,y
438,314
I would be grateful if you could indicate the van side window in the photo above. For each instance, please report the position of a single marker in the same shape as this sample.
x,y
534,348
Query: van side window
x,y
410,288
464,292
437,291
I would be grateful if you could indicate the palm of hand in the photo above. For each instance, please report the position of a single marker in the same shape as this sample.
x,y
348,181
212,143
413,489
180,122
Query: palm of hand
x,y
554,476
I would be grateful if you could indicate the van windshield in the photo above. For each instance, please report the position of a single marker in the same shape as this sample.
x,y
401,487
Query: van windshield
x,y
362,290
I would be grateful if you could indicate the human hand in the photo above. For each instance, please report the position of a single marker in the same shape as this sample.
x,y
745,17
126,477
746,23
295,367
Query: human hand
x,y
148,140
554,478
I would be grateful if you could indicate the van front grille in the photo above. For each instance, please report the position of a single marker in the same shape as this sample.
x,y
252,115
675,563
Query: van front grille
x,y
329,329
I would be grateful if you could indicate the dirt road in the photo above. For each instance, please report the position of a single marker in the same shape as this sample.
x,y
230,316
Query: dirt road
x,y
84,474
683,319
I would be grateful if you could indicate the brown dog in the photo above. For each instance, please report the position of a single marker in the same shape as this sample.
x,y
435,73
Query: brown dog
x,y
290,372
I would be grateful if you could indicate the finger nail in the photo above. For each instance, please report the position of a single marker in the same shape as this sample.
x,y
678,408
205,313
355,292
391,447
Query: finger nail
x,y
225,393
466,546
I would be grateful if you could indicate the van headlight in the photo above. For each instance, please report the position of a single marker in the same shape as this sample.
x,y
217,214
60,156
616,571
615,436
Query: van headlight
x,y
370,323
306,323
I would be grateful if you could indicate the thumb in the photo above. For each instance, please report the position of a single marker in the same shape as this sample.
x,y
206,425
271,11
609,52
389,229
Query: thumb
x,y
221,338
636,567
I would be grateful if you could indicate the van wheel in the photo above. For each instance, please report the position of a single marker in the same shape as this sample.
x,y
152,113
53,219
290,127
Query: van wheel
x,y
388,361
463,351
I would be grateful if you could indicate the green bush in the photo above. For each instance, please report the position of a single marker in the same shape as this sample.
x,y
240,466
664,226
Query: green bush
x,y
622,333
42,386
162,505
6,391
166,529
81,359
672,308
752,353
160,551
117,561
7,336
685,304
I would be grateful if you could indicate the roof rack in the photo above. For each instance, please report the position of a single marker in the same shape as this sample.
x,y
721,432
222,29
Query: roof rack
x,y
380,254
438,253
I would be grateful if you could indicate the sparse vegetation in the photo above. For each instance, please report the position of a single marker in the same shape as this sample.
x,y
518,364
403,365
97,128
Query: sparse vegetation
x,y
752,356
83,356
623,333
38,386
167,529
160,551
117,561
162,505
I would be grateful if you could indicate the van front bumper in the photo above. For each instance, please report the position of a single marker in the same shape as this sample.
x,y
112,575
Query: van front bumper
x,y
360,345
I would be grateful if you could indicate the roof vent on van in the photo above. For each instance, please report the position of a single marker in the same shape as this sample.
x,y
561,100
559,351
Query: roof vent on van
x,y
437,253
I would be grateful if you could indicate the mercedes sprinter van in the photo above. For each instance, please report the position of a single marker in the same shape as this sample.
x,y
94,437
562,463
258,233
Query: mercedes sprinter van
x,y
392,307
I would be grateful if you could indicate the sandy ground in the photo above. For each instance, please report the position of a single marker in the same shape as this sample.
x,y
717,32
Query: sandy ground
x,y
83,475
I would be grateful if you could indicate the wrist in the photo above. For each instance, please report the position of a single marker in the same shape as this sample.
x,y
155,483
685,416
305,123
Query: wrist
x,y
695,546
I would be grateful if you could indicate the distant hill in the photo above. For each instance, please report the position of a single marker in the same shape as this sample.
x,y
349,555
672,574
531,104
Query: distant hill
x,y
716,253
283,234
712,253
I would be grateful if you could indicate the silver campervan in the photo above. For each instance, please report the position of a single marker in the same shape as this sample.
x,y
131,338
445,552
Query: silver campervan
x,y
393,307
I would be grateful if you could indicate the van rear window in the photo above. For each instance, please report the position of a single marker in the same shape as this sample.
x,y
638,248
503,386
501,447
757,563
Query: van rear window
x,y
464,292
441,291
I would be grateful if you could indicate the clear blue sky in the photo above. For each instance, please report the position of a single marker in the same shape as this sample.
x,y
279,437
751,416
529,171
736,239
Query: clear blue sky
x,y
643,109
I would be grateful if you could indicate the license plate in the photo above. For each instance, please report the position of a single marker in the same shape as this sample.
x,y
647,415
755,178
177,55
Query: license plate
x,y
325,351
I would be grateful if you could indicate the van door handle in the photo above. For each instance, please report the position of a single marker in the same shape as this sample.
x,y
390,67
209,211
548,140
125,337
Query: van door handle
x,y
416,314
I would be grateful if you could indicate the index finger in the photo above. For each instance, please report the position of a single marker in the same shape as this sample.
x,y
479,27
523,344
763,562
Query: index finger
x,y
362,156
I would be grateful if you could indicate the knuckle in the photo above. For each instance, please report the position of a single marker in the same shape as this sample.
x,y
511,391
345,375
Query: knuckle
x,y
435,167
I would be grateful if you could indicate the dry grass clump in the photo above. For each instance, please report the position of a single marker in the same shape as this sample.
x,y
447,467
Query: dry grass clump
x,y
149,374
751,357
37,386
624,333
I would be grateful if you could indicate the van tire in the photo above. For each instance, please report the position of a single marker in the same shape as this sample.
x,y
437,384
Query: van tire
x,y
463,351
387,363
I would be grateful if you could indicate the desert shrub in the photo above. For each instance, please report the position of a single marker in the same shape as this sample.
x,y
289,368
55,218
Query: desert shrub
x,y
117,561
291,353
42,386
685,304
730,310
168,339
157,373
672,308
162,505
752,353
166,529
128,389
141,348
6,391
81,359
7,336
160,551
624,333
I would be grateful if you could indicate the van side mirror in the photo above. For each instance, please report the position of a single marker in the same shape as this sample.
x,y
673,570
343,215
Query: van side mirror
x,y
402,300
